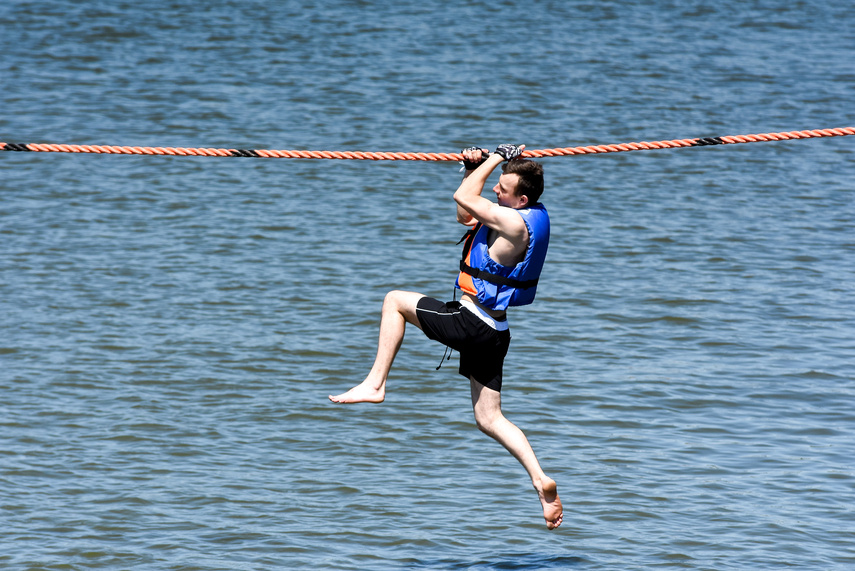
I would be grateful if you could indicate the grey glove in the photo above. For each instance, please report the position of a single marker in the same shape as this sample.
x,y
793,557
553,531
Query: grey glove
x,y
509,152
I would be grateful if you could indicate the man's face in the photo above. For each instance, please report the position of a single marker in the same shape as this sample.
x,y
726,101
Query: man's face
x,y
506,192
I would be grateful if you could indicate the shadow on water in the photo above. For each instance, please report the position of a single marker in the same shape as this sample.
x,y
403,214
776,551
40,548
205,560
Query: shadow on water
x,y
513,562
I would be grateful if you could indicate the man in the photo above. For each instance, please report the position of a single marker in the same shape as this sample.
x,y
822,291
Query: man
x,y
503,257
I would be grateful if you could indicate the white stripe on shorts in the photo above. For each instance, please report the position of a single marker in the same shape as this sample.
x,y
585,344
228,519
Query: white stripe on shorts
x,y
484,316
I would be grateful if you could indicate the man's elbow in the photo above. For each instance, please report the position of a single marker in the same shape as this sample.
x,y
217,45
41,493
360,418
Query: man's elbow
x,y
463,215
465,218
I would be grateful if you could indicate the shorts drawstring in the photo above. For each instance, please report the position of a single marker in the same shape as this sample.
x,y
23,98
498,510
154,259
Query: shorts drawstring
x,y
446,353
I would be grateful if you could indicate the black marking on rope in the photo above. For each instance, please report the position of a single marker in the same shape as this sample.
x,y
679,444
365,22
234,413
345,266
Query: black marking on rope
x,y
245,153
17,147
706,141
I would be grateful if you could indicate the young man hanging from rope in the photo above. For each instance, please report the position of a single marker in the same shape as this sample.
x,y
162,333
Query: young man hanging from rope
x,y
503,257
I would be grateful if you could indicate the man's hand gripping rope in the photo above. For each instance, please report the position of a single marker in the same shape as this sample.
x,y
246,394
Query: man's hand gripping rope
x,y
474,156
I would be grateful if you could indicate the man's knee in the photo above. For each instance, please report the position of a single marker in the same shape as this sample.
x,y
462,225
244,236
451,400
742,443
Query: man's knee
x,y
403,302
486,419
394,300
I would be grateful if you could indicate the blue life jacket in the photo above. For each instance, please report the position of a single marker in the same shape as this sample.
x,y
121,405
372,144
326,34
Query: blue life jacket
x,y
496,286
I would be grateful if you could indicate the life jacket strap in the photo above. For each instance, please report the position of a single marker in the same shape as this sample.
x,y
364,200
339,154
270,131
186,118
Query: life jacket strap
x,y
495,279
469,236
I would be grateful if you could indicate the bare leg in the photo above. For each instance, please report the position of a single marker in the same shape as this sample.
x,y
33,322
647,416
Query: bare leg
x,y
487,405
399,308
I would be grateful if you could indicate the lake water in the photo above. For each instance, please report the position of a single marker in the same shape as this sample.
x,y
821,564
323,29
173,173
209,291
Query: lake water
x,y
170,328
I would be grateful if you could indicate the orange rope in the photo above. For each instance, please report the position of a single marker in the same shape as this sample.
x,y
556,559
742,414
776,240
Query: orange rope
x,y
381,156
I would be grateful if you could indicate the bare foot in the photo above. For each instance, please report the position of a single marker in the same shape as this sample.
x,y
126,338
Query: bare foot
x,y
553,512
364,392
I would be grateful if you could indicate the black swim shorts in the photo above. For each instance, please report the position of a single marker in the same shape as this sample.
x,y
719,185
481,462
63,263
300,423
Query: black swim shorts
x,y
482,349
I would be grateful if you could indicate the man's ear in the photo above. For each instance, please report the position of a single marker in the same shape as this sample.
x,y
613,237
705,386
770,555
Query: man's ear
x,y
523,201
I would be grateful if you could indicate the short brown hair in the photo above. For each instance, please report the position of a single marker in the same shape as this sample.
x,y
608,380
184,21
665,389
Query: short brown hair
x,y
530,176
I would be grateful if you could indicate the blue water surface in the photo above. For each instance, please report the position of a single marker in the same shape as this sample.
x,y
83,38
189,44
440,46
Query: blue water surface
x,y
170,327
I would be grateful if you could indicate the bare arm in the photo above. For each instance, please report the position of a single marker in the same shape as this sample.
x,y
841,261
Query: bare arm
x,y
463,216
471,206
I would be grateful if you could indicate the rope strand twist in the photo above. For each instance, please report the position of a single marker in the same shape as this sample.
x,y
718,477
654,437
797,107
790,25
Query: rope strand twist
x,y
399,156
